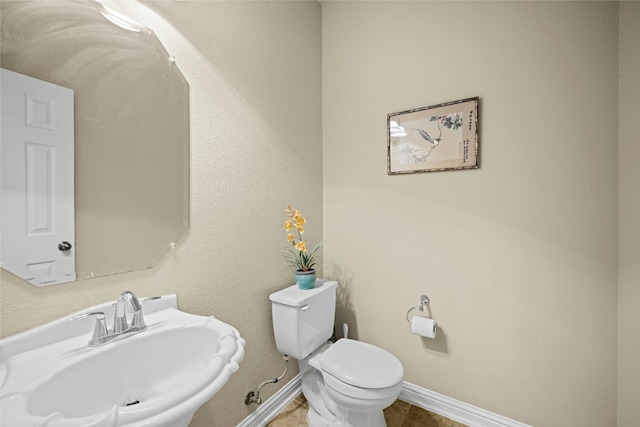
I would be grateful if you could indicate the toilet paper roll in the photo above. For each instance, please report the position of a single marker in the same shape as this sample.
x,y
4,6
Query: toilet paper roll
x,y
424,327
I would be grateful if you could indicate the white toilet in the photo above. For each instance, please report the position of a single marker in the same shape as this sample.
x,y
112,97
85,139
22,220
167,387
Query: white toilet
x,y
348,383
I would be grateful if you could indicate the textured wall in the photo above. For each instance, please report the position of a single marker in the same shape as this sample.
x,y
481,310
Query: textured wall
x,y
629,215
254,70
519,257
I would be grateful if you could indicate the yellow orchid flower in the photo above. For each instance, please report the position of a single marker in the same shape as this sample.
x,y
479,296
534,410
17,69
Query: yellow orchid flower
x,y
298,255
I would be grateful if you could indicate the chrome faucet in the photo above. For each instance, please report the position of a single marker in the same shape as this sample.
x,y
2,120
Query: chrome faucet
x,y
128,301
121,328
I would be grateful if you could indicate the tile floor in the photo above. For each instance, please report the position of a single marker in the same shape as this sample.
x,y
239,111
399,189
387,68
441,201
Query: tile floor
x,y
400,414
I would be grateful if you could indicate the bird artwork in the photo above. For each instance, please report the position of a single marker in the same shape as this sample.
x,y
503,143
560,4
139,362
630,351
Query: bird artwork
x,y
425,135
435,138
451,121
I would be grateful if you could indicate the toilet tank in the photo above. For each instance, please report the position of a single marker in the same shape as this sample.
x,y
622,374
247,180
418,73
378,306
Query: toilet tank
x,y
303,319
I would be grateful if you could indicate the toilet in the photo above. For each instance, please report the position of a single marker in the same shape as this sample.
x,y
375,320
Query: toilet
x,y
346,383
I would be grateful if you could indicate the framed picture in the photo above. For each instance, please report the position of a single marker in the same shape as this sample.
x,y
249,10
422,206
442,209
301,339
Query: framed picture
x,y
436,138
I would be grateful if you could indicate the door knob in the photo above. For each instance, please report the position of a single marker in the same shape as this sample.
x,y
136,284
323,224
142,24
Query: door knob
x,y
64,246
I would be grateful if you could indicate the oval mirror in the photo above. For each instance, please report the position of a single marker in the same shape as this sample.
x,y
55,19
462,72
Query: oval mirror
x,y
129,163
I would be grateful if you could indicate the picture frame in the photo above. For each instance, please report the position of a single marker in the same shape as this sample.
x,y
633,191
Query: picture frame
x,y
436,138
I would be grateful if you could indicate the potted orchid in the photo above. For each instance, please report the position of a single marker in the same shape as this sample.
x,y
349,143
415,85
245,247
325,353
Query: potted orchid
x,y
296,253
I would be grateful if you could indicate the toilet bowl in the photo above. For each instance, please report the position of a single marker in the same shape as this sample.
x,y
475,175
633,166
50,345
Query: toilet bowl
x,y
347,383
363,379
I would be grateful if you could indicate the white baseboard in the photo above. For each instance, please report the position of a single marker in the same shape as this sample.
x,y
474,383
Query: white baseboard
x,y
454,409
410,393
273,405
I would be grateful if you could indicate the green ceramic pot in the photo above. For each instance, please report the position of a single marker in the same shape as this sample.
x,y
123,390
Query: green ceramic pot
x,y
306,279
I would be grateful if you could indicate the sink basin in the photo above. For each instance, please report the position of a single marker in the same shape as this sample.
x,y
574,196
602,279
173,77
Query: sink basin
x,y
160,377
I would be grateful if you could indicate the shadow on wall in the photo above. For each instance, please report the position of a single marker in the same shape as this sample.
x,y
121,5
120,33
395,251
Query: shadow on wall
x,y
345,312
440,344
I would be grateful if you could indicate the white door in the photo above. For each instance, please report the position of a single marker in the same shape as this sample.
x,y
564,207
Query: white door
x,y
37,203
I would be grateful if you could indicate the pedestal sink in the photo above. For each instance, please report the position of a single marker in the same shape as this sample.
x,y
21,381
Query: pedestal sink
x,y
51,377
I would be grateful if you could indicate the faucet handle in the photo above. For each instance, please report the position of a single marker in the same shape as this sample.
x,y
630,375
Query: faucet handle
x,y
148,299
141,300
100,327
137,321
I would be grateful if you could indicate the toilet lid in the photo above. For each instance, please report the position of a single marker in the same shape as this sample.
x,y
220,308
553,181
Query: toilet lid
x,y
361,364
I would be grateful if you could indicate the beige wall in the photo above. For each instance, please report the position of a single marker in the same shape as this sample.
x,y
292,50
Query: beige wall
x,y
519,257
255,146
629,217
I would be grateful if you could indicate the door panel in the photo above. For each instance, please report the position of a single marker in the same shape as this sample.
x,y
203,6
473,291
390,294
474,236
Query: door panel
x,y
37,180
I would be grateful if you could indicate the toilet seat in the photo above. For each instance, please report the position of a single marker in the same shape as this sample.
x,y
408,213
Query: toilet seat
x,y
360,393
351,365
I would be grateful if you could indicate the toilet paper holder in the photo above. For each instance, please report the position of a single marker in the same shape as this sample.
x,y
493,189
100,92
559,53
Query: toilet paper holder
x,y
423,300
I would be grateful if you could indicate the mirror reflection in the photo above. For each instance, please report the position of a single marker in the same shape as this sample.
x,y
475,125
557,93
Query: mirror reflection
x,y
129,165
